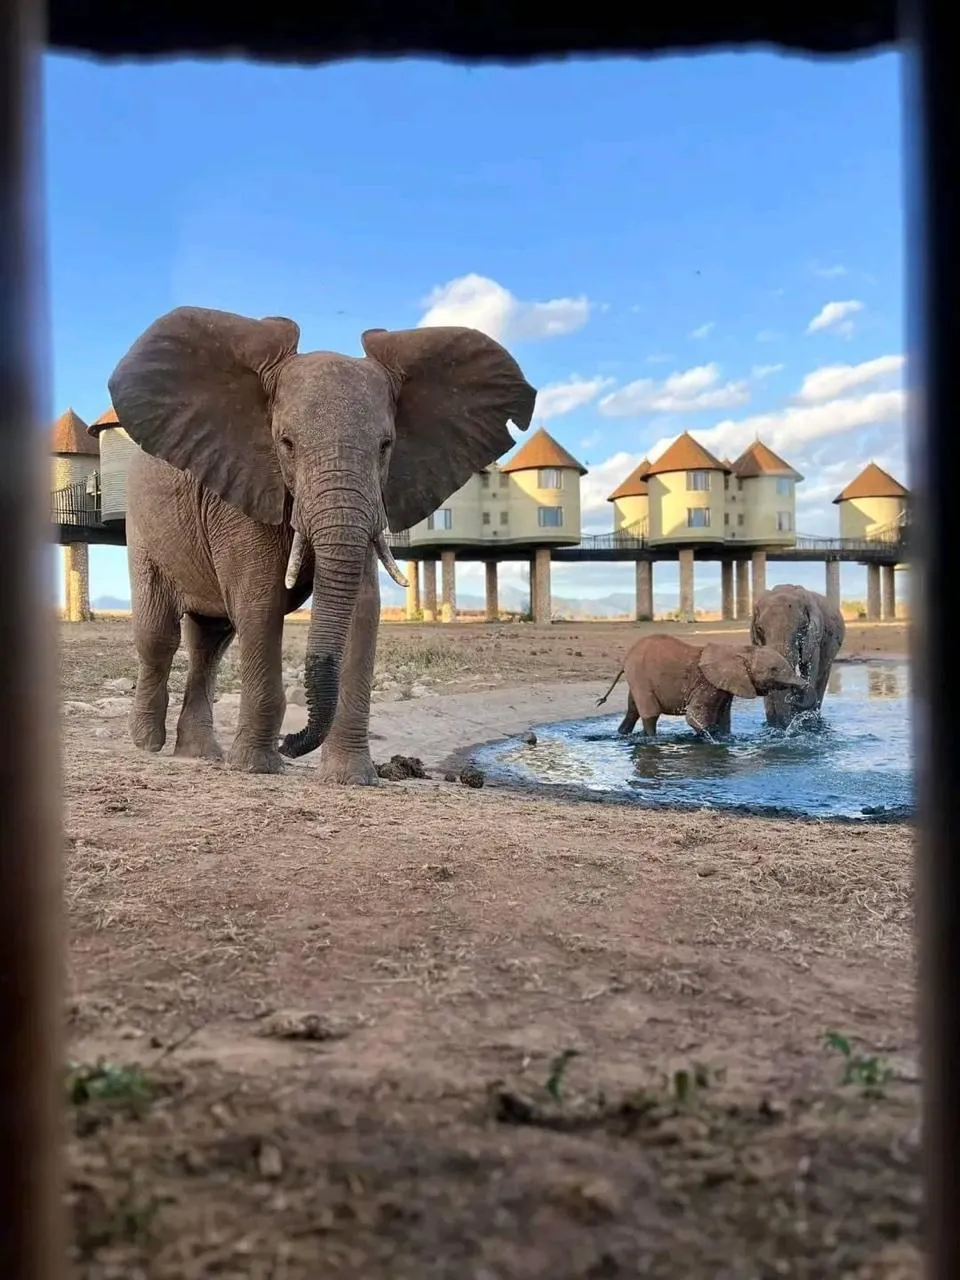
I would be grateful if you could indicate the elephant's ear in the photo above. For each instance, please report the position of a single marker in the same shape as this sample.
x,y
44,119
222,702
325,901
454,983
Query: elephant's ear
x,y
726,669
195,390
456,391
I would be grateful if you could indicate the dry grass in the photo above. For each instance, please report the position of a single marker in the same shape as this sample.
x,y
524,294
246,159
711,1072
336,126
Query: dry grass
x,y
333,1017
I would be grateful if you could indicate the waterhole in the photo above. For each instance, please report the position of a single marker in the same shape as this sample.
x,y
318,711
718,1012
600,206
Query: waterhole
x,y
852,762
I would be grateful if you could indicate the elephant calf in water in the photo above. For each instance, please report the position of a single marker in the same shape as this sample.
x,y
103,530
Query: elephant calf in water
x,y
809,631
669,677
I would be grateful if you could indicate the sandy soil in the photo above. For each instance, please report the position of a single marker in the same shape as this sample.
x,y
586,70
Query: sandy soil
x,y
427,1031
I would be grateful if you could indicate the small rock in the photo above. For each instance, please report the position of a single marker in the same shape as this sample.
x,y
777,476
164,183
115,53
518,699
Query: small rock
x,y
529,739
470,776
269,1161
73,708
122,684
449,777
418,690
297,696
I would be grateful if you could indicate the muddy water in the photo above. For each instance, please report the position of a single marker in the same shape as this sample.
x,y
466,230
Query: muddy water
x,y
853,762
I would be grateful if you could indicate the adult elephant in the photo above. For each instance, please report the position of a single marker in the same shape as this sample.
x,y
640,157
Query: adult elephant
x,y
808,631
255,457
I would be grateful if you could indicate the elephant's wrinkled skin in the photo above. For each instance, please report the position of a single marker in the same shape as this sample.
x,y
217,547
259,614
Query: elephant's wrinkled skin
x,y
670,677
808,630
256,458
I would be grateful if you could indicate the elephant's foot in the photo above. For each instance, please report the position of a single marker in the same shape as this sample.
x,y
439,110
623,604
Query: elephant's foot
x,y
147,734
247,759
347,768
197,744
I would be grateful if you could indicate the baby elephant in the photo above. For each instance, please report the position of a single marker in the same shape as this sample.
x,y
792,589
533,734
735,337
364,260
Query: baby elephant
x,y
669,677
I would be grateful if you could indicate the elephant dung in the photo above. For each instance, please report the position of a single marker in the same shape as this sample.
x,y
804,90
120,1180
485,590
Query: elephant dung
x,y
399,768
471,776
529,739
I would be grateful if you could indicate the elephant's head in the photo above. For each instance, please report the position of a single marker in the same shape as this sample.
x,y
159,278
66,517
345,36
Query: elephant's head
x,y
788,619
747,671
346,447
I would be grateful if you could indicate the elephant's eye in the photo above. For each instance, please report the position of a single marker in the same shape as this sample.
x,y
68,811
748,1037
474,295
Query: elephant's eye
x,y
385,448
286,444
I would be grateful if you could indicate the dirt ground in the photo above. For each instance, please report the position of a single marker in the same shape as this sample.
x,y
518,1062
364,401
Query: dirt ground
x,y
426,1031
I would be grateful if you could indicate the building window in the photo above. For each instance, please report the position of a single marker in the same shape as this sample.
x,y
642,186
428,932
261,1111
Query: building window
x,y
486,517
740,520
549,478
699,481
726,517
550,517
698,517
504,479
784,486
739,485
504,517
726,483
784,522
442,519
484,480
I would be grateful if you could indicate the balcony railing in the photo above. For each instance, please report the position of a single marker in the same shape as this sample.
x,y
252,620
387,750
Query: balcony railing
x,y
78,503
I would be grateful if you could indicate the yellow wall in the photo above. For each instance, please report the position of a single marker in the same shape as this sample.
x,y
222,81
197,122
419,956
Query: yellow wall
x,y
630,511
515,493
669,501
757,500
860,517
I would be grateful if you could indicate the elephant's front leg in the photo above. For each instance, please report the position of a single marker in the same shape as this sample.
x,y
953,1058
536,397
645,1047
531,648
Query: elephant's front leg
x,y
345,755
262,700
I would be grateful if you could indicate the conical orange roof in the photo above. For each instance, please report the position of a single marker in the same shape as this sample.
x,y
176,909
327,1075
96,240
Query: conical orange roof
x,y
685,454
635,485
107,419
69,435
872,482
541,450
759,459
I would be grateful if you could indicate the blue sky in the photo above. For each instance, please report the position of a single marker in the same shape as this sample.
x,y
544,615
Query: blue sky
x,y
710,243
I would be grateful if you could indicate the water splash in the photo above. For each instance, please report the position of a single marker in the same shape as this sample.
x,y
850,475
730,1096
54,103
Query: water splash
x,y
853,761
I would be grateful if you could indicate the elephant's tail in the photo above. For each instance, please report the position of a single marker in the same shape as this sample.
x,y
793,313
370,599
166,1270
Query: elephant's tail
x,y
601,701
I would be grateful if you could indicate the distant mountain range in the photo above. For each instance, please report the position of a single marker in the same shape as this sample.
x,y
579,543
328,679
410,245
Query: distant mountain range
x,y
516,599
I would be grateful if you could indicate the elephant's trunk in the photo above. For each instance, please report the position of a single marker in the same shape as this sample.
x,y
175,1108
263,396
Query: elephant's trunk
x,y
341,548
783,705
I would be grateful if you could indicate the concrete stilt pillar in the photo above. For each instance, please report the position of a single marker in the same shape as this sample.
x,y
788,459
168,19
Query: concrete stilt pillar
x,y
726,591
687,593
644,609
888,592
759,574
413,590
873,593
429,590
448,572
743,590
492,592
832,591
76,570
541,604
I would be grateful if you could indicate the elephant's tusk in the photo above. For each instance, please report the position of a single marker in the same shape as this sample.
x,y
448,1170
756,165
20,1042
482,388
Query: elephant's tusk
x,y
295,561
387,560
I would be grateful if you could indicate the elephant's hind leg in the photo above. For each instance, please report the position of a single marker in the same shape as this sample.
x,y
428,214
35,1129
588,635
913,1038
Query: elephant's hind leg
x,y
156,636
628,723
207,640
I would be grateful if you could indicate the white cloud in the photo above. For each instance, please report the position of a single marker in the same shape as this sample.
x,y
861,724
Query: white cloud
x,y
835,380
704,330
789,429
682,392
601,480
482,303
761,371
835,316
828,272
558,398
